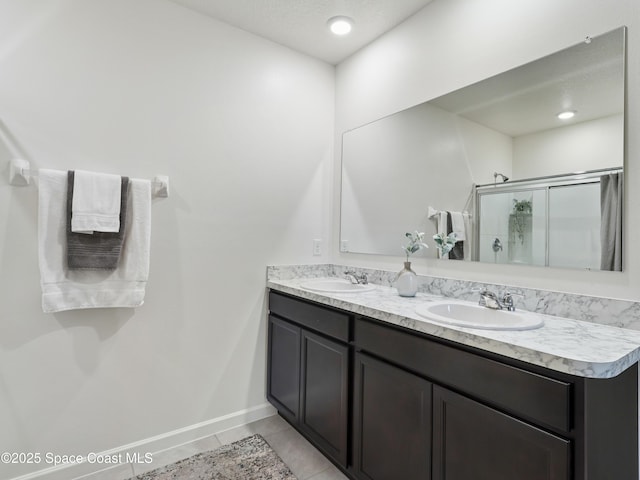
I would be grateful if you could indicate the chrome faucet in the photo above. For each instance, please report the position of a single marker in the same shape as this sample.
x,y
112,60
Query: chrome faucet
x,y
355,278
508,303
490,300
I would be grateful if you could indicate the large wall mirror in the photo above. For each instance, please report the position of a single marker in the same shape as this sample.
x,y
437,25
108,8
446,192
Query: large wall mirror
x,y
525,167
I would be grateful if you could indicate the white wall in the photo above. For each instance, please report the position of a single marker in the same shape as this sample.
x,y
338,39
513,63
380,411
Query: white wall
x,y
391,174
590,145
243,127
453,43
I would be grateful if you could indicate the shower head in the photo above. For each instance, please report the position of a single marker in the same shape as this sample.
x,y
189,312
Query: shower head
x,y
496,174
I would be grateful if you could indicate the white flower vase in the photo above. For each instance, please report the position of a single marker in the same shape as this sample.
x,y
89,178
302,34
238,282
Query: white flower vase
x,y
407,281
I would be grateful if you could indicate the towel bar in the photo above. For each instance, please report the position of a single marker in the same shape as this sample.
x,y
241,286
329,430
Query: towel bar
x,y
20,173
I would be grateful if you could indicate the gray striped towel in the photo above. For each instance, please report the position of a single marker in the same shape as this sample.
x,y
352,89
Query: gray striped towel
x,y
100,250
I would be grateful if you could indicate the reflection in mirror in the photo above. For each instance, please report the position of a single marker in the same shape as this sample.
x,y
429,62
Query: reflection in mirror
x,y
554,221
494,163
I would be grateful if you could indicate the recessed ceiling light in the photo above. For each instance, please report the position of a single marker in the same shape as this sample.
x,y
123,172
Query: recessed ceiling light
x,y
340,25
566,115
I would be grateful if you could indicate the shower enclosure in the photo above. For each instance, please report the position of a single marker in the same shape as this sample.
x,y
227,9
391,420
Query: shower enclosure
x,y
558,221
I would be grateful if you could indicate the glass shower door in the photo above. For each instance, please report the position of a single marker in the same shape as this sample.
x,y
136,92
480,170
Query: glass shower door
x,y
512,227
574,226
569,221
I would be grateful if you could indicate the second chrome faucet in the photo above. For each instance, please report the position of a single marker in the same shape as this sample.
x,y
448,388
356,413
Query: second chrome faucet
x,y
490,300
355,278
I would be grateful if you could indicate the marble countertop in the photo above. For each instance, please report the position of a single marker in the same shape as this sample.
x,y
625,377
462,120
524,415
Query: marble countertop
x,y
569,346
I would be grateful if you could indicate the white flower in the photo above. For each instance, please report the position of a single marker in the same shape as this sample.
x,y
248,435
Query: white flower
x,y
415,243
445,243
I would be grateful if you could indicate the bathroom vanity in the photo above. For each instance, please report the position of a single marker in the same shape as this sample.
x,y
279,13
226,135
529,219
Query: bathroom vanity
x,y
385,395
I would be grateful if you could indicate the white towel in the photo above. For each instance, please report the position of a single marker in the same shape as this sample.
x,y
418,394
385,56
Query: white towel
x,y
96,202
457,226
64,289
468,243
440,217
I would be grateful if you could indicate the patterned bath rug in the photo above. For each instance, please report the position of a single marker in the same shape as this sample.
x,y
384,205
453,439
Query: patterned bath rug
x,y
248,459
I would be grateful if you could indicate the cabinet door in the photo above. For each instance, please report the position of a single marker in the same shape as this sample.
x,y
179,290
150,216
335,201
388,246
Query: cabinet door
x,y
324,388
473,441
392,422
283,367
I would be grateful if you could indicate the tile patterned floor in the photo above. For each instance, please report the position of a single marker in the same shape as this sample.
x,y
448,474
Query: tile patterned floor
x,y
303,459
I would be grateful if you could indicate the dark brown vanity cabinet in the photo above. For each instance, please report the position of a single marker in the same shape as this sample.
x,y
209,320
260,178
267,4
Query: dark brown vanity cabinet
x,y
308,371
392,422
472,440
324,388
388,403
495,418
283,374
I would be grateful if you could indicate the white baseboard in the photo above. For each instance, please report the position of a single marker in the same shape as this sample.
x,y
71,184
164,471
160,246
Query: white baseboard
x,y
152,445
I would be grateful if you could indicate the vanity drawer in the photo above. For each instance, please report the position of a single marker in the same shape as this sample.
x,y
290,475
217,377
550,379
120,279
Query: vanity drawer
x,y
324,320
543,400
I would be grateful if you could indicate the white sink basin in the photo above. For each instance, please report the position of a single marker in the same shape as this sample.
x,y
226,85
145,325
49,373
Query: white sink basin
x,y
336,285
466,314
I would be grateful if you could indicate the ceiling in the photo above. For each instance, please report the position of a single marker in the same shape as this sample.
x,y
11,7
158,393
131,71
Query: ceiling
x,y
302,24
540,89
587,78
